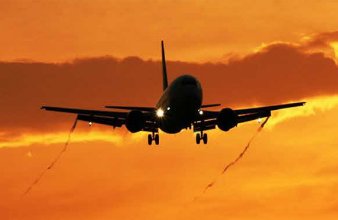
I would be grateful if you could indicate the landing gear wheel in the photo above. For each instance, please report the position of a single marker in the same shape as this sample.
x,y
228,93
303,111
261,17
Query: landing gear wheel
x,y
205,138
150,139
198,138
157,139
153,137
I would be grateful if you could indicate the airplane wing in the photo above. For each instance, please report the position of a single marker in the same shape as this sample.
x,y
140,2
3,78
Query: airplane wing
x,y
85,111
112,118
209,118
268,108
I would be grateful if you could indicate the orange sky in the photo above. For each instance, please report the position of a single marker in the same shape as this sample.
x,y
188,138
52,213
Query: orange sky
x,y
264,53
57,30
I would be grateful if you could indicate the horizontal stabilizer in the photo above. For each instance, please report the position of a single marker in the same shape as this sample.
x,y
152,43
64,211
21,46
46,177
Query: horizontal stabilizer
x,y
210,105
146,109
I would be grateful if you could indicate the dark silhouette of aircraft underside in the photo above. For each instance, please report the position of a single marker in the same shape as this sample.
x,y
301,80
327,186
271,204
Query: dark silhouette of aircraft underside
x,y
180,107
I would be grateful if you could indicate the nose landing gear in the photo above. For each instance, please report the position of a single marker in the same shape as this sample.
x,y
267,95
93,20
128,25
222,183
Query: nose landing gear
x,y
153,137
201,136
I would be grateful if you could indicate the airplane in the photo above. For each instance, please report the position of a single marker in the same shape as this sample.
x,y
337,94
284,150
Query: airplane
x,y
179,107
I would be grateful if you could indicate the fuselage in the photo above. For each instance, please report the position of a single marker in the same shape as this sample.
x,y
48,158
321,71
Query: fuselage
x,y
180,102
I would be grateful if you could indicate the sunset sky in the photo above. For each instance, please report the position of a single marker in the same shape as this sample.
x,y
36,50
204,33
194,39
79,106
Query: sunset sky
x,y
88,54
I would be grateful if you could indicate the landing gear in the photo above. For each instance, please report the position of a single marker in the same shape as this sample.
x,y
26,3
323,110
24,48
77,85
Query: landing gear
x,y
198,138
150,139
153,137
201,136
157,139
205,138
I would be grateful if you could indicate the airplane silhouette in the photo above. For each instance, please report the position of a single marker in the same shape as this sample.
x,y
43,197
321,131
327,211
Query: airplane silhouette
x,y
180,107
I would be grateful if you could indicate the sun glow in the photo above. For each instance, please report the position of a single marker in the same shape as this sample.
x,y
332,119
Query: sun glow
x,y
60,137
334,45
312,106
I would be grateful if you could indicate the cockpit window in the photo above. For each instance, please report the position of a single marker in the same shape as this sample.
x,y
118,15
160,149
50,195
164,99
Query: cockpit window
x,y
189,81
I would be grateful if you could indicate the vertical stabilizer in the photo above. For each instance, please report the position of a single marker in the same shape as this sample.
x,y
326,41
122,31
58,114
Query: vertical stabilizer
x,y
164,68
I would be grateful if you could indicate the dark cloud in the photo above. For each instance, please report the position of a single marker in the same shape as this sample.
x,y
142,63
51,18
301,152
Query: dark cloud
x,y
278,73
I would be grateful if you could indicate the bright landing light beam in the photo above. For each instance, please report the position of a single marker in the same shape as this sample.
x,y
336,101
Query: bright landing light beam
x,y
160,113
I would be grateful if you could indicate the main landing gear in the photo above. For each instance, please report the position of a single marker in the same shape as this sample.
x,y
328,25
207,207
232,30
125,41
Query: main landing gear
x,y
153,137
201,136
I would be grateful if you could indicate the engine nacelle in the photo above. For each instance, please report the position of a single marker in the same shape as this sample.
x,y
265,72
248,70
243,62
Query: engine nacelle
x,y
135,121
227,119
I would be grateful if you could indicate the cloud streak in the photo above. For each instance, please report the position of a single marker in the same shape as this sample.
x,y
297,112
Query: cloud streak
x,y
37,180
232,163
59,137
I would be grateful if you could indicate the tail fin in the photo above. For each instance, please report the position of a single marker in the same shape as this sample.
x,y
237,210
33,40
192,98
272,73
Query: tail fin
x,y
164,68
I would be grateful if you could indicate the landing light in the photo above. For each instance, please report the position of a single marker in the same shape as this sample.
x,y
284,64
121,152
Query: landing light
x,y
160,113
200,112
259,120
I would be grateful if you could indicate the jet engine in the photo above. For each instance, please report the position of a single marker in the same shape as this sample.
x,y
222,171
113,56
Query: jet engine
x,y
135,121
227,119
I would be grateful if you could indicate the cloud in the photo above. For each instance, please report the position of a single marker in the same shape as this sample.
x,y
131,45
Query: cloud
x,y
322,42
276,73
80,136
30,139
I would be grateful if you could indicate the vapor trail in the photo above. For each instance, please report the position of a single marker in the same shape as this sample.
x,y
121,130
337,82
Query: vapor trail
x,y
37,180
238,157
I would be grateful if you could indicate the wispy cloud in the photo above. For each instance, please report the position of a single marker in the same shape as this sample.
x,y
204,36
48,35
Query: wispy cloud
x,y
60,137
